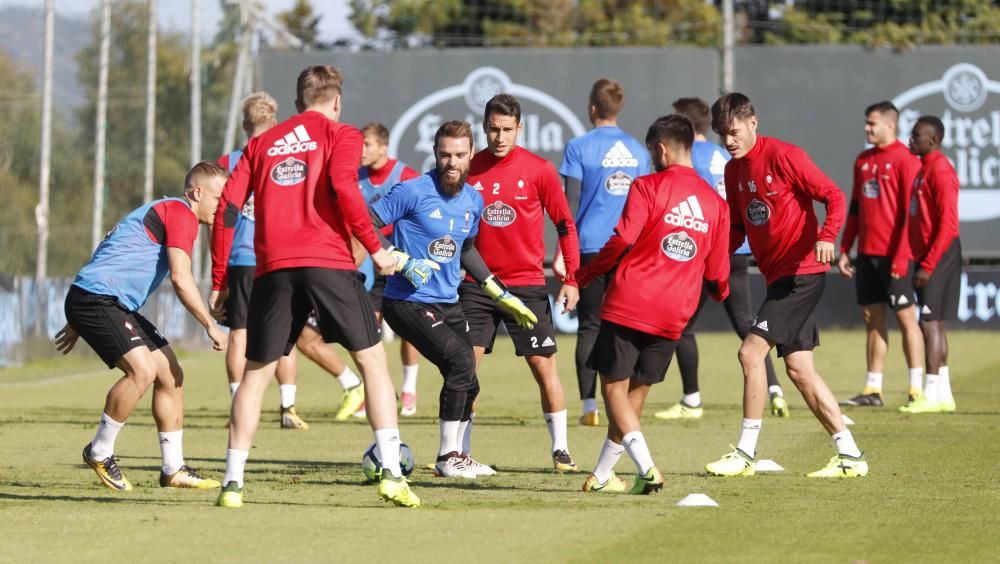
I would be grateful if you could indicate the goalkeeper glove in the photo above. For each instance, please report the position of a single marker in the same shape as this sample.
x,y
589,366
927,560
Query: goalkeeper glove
x,y
508,302
417,271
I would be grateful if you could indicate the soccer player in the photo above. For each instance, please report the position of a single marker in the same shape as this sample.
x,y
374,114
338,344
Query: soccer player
x,y
259,115
937,250
883,178
436,218
102,306
662,257
303,174
597,170
378,174
770,189
517,186
709,161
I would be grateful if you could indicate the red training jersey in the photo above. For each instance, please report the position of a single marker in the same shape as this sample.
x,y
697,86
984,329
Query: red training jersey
x,y
673,233
770,192
883,178
933,210
380,175
303,174
515,190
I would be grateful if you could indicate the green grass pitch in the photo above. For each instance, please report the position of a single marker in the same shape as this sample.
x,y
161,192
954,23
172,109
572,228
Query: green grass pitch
x,y
933,493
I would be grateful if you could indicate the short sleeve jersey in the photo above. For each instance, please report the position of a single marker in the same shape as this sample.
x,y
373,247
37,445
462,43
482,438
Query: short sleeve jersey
x,y
430,224
709,162
605,160
131,261
243,254
374,185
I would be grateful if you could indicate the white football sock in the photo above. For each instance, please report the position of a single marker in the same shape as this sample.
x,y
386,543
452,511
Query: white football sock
x,y
172,451
410,378
589,405
874,383
556,422
449,437
916,378
287,392
387,441
692,400
610,453
776,390
748,437
465,435
844,442
103,444
236,461
931,387
233,386
944,385
638,451
348,379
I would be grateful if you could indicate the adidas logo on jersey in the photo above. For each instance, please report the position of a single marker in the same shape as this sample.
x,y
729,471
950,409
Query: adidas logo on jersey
x,y
762,325
619,155
436,214
687,214
548,342
298,141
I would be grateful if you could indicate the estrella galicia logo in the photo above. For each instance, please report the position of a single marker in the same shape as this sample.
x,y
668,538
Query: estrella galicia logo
x,y
679,246
289,172
499,214
870,188
618,184
247,211
443,250
757,212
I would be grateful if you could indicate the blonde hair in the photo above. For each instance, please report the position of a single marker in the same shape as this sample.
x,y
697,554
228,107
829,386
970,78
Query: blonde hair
x,y
259,108
202,171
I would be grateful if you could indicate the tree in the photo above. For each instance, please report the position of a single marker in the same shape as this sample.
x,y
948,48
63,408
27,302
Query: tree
x,y
302,22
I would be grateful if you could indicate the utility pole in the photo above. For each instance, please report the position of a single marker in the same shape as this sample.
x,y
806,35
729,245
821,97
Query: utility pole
x,y
728,41
42,210
147,186
97,229
195,78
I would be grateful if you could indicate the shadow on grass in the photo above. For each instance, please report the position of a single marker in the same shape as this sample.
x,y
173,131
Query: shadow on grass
x,y
124,499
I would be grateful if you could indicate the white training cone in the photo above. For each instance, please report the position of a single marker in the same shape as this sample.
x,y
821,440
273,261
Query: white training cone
x,y
848,420
769,466
697,500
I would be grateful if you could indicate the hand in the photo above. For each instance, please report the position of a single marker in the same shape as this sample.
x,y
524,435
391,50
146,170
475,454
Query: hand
x,y
824,252
568,297
218,338
385,264
217,303
921,278
559,267
66,339
510,303
844,266
417,271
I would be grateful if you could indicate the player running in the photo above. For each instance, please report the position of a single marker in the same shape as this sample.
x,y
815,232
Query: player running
x,y
517,186
102,306
937,250
259,115
883,179
303,176
709,161
436,219
662,256
597,169
770,188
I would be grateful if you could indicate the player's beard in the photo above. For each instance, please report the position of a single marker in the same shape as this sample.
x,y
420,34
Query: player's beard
x,y
452,188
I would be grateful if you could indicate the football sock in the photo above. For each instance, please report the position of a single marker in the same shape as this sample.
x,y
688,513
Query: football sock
x,y
465,435
944,385
171,451
348,379
873,385
287,392
387,441
916,379
610,453
103,444
931,387
844,442
638,451
449,437
748,437
589,405
410,378
776,391
236,461
556,422
692,400
233,386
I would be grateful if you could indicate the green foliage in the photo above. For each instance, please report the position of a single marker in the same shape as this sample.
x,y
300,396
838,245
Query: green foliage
x,y
302,22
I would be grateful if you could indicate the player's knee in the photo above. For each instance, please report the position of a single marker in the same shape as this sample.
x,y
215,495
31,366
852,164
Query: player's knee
x,y
143,376
748,354
461,370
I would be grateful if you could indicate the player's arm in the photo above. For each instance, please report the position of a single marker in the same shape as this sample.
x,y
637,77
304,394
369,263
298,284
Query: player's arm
x,y
187,292
944,187
850,228
234,196
573,187
394,206
475,267
637,208
737,231
717,262
901,258
818,186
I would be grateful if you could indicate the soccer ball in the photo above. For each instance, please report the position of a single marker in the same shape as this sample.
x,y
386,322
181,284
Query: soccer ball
x,y
371,462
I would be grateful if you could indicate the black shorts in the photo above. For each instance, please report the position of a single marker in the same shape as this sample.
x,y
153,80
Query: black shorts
x,y
485,316
874,283
623,353
238,302
786,317
939,298
437,330
109,329
377,291
282,301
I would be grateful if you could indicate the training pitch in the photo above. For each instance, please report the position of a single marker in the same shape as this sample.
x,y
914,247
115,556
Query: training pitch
x,y
933,493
